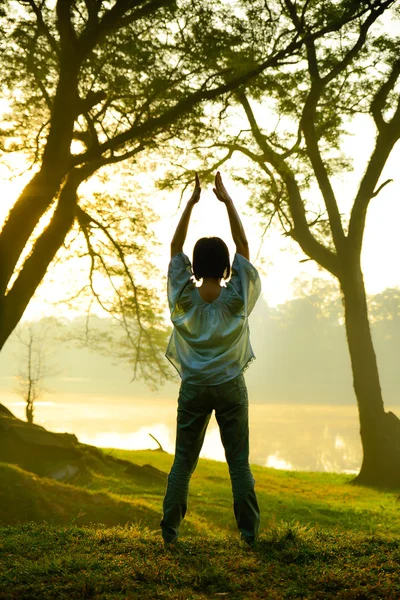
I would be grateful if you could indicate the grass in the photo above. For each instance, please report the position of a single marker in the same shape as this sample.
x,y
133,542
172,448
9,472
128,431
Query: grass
x,y
99,537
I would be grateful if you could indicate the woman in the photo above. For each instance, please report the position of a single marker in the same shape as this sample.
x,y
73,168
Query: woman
x,y
210,348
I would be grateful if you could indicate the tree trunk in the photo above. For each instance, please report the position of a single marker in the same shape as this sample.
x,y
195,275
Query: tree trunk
x,y
380,431
23,218
43,187
44,251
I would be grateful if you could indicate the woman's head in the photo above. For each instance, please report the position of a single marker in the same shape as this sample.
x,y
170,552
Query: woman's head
x,y
211,259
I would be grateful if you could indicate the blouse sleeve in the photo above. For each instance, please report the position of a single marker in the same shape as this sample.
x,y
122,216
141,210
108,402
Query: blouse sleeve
x,y
179,275
246,282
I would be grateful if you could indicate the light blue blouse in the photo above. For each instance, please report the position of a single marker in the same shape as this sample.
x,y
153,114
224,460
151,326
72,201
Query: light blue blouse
x,y
210,342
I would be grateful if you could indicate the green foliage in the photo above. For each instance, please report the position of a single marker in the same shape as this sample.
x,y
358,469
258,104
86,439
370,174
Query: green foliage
x,y
116,74
118,243
138,76
130,74
347,56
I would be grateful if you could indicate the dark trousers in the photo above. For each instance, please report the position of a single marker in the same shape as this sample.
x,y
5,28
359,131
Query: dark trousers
x,y
195,405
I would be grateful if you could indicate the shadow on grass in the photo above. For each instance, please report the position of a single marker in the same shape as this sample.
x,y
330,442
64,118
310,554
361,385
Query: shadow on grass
x,y
25,496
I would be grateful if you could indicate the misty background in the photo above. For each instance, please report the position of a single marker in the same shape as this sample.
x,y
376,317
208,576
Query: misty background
x,y
303,412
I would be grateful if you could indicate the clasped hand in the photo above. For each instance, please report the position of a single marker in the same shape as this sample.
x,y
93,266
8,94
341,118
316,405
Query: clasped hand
x,y
219,190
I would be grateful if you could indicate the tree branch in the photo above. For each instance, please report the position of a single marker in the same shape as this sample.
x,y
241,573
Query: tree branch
x,y
309,113
86,219
309,118
378,102
152,125
92,8
301,232
308,127
32,67
385,141
309,42
43,27
352,53
65,29
381,187
116,15
117,18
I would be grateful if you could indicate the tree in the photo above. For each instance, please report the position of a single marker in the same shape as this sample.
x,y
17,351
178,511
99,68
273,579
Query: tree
x,y
34,366
92,83
347,72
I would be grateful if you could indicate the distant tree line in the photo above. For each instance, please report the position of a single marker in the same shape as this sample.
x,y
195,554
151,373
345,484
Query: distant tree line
x,y
300,347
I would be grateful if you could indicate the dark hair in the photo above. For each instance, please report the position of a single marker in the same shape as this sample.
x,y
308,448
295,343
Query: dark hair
x,y
211,258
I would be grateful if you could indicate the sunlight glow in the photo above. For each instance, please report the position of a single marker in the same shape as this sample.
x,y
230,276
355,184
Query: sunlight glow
x,y
125,422
212,447
137,440
273,461
339,443
37,403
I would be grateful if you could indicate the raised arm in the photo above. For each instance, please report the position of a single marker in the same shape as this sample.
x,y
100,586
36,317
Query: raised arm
x,y
180,234
238,233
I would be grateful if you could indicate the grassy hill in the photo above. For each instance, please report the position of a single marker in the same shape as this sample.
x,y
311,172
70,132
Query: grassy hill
x,y
98,536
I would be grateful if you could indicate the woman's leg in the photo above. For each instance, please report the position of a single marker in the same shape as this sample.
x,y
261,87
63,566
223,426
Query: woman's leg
x,y
231,411
194,412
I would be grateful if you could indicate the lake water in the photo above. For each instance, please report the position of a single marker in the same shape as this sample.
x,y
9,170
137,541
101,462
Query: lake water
x,y
300,437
